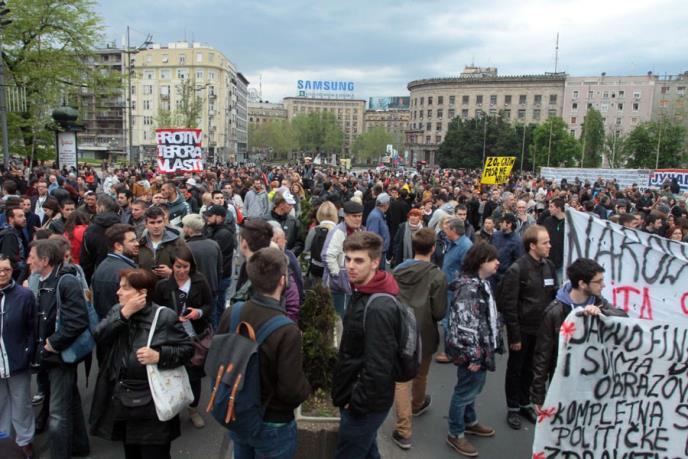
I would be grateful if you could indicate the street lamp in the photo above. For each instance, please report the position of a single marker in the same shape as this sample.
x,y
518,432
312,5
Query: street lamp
x,y
4,21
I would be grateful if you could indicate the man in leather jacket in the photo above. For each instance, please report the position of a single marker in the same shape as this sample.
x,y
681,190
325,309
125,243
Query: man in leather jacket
x,y
581,293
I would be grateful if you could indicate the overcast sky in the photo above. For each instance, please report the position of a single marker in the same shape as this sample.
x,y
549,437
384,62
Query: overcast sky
x,y
381,45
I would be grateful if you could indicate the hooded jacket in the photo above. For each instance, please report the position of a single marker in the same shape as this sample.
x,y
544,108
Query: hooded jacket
x,y
149,257
547,344
178,209
94,248
423,287
16,328
364,373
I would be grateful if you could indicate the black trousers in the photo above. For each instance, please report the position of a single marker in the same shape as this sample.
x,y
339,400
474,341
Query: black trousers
x,y
147,451
519,373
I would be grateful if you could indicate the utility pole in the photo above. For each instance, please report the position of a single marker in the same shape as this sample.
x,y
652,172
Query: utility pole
x,y
4,11
549,146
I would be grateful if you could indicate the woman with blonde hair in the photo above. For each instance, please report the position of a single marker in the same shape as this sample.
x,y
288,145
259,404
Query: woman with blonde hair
x,y
315,240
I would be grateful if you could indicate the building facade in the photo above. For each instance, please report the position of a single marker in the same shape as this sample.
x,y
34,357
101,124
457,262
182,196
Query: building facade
x,y
349,113
670,99
477,92
265,112
623,101
166,79
393,121
102,111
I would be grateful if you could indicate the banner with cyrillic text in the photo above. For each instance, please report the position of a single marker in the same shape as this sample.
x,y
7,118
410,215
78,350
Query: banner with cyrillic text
x,y
497,170
179,150
646,275
659,177
620,390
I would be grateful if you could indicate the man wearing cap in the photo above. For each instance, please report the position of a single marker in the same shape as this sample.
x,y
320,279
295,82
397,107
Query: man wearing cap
x,y
377,223
281,213
205,251
219,231
335,276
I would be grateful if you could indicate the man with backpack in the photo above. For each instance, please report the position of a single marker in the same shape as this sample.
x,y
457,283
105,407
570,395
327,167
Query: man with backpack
x,y
424,288
365,373
528,286
283,384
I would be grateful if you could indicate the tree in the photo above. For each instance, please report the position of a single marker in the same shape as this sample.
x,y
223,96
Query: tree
x,y
189,109
641,147
46,50
278,137
564,151
372,144
463,144
525,143
318,131
592,138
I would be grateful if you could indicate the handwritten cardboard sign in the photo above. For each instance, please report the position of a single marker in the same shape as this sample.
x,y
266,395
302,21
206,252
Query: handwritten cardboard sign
x,y
620,390
646,275
497,169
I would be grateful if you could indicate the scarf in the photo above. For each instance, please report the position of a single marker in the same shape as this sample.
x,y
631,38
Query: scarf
x,y
409,231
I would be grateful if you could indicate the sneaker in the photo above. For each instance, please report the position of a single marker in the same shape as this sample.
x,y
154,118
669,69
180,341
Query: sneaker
x,y
462,446
442,358
426,404
513,419
529,414
196,419
38,399
480,430
403,443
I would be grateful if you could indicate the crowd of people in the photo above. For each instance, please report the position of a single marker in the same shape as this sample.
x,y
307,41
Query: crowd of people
x,y
474,263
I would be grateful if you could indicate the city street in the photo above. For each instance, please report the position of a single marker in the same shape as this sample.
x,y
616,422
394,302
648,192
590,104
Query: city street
x,y
430,430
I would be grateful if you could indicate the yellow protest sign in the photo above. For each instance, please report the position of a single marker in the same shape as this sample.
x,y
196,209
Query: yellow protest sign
x,y
497,169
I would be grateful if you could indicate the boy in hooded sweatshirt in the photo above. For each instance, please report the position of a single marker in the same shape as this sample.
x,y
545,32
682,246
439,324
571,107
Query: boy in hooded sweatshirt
x,y
583,292
423,287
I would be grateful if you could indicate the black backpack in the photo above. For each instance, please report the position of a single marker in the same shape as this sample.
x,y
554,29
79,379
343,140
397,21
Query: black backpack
x,y
316,266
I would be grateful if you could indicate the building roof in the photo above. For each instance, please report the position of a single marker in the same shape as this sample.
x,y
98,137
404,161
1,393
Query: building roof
x,y
549,77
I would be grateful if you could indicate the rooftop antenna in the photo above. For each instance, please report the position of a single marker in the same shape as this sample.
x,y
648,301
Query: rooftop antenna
x,y
556,55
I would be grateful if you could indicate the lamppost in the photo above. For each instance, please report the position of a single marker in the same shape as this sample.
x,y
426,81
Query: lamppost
x,y
4,11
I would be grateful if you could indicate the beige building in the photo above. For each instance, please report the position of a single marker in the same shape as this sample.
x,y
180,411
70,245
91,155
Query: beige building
x,y
671,99
263,112
477,91
158,76
393,121
349,113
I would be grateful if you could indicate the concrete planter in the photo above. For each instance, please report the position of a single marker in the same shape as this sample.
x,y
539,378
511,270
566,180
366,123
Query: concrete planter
x,y
316,437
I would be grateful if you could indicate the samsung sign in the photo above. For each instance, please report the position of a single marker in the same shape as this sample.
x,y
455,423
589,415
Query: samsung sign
x,y
325,89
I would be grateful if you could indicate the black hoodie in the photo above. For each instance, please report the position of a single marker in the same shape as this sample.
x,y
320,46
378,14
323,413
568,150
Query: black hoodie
x,y
94,248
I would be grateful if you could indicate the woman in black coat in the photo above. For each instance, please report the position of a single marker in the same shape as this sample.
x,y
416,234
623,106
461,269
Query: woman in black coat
x,y
187,292
123,408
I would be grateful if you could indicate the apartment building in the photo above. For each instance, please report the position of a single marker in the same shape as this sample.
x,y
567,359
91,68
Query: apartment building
x,y
264,112
670,99
393,121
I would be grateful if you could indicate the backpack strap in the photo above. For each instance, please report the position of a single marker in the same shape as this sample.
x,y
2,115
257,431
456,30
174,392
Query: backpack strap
x,y
270,326
236,316
372,298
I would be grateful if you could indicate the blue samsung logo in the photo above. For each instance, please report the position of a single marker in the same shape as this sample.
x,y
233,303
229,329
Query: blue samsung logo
x,y
307,85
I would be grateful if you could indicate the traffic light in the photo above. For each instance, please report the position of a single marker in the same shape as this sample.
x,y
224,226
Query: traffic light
x,y
4,11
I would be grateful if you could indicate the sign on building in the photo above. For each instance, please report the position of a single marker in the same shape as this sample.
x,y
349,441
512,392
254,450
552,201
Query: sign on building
x,y
179,150
325,89
389,103
66,149
497,169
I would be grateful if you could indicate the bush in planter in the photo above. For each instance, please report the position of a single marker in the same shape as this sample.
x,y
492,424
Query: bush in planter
x,y
316,321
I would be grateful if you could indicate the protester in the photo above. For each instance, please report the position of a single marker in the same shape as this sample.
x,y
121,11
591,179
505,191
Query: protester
x,y
217,230
402,248
283,204
472,339
157,244
94,248
123,408
555,225
206,251
12,244
326,216
508,244
256,201
178,207
377,223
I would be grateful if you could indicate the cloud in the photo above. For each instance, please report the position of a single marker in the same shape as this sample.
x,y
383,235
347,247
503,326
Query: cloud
x,y
385,44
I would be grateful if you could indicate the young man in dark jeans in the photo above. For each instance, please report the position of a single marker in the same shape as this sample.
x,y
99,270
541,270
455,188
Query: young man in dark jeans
x,y
364,375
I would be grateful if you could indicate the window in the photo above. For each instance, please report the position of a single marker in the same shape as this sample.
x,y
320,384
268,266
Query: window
x,y
452,99
420,112
522,99
133,105
428,139
575,94
551,113
146,105
479,100
605,95
572,132
552,99
681,90
211,57
211,75
619,106
574,107
165,74
428,126
430,100
464,100
604,107
147,89
506,114
430,113
438,126
618,121
133,90
636,106
182,74
591,94
440,100
180,103
536,114
145,135
440,112
422,99
573,120
478,113
199,57
507,100
621,94
665,89
164,90
451,113
636,94
199,74
165,58
148,74
438,139
521,114
164,105
182,59
464,113
147,120
493,100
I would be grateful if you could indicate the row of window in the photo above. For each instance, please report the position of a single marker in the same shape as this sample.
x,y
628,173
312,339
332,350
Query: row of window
x,y
181,58
147,90
604,107
339,111
427,138
607,94
506,114
493,99
618,120
680,90
181,73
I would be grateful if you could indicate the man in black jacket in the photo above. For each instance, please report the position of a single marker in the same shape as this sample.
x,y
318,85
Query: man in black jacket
x,y
284,202
68,435
556,225
582,293
364,379
218,231
95,246
528,286
12,244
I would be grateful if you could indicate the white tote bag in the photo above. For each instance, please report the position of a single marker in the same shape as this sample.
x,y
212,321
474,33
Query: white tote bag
x,y
170,388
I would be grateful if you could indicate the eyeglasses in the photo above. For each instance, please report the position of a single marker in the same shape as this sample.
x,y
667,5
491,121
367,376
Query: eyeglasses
x,y
5,270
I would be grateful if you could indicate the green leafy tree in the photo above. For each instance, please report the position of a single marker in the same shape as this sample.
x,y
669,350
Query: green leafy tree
x,y
46,50
278,137
614,146
592,139
318,131
463,145
372,144
641,147
525,143
553,145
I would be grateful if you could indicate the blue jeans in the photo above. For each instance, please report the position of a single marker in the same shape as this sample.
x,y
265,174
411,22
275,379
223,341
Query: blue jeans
x,y
221,300
66,424
275,442
358,435
462,407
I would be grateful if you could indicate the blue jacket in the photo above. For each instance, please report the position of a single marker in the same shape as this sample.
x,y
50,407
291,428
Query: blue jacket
x,y
17,327
510,248
453,257
377,224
